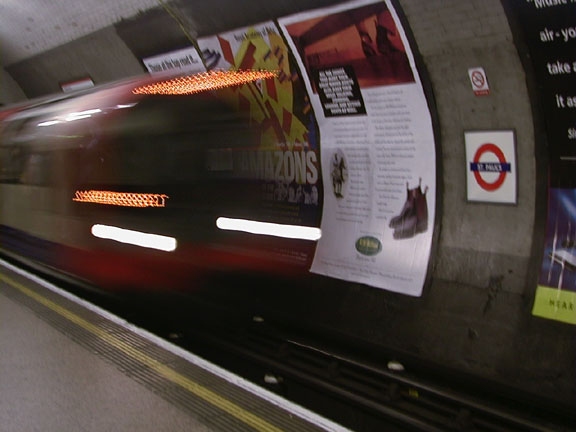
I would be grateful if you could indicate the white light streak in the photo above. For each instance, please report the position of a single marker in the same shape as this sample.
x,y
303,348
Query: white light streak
x,y
267,228
69,118
49,123
137,238
81,114
121,106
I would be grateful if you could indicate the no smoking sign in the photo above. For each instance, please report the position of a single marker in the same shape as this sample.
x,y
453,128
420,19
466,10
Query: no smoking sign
x,y
479,81
491,166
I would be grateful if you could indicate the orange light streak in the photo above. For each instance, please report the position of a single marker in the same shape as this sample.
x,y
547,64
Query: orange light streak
x,y
205,81
124,199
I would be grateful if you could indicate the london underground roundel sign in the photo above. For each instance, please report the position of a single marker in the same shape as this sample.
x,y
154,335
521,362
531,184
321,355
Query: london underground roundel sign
x,y
501,167
491,171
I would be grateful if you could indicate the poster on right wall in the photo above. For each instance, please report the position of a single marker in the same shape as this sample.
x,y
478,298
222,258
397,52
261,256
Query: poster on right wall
x,y
549,35
378,152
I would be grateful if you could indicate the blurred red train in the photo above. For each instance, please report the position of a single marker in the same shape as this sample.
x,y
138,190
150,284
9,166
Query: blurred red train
x,y
127,189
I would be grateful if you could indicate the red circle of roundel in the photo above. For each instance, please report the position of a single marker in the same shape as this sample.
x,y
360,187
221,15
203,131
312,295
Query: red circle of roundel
x,y
493,148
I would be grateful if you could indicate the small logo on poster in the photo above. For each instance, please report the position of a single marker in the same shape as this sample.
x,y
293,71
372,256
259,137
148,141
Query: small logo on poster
x,y
368,245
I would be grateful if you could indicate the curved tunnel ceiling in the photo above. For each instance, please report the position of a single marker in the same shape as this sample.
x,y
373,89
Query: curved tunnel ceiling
x,y
30,27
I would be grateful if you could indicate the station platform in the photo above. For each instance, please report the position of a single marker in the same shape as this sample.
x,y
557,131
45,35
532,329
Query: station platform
x,y
67,365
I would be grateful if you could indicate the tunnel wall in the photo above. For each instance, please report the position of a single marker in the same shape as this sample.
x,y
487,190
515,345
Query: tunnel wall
x,y
10,91
101,56
479,297
475,312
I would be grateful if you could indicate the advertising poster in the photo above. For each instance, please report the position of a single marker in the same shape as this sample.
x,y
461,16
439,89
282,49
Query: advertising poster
x,y
285,161
556,292
548,31
378,152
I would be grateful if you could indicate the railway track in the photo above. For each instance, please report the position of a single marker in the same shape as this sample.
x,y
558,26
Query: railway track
x,y
358,391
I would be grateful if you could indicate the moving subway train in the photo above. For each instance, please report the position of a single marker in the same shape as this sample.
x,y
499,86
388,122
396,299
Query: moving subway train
x,y
155,183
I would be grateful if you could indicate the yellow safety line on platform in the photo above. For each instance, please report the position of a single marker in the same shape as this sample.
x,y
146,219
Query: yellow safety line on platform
x,y
163,370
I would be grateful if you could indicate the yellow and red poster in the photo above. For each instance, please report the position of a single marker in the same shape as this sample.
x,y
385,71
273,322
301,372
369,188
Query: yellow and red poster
x,y
285,161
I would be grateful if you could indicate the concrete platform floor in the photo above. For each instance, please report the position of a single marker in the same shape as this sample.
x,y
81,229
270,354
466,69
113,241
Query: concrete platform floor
x,y
64,368
49,383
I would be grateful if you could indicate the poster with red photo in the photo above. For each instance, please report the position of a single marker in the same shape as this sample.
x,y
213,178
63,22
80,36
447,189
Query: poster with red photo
x,y
377,144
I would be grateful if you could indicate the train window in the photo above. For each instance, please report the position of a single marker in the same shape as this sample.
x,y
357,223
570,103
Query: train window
x,y
11,154
22,159
167,140
160,141
37,168
11,164
22,165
